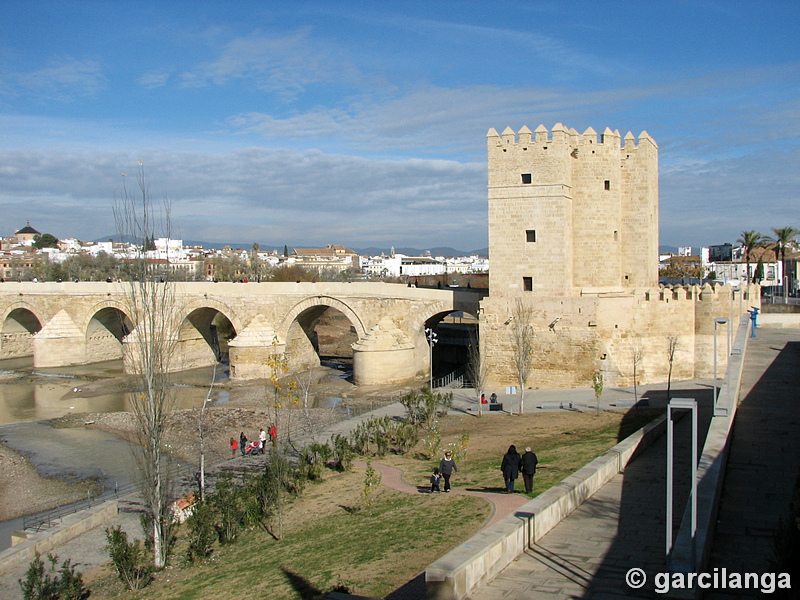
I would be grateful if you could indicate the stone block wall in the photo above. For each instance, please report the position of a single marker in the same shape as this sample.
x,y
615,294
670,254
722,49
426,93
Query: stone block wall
x,y
603,332
571,210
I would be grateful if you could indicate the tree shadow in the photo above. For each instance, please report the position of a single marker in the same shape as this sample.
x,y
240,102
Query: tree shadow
x,y
488,490
302,586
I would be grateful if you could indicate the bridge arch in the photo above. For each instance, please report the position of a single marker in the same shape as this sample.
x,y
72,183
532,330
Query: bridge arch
x,y
20,323
107,327
456,331
203,335
304,346
315,301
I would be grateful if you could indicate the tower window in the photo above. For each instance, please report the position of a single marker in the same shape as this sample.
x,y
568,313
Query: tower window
x,y
527,284
607,184
530,235
616,236
526,178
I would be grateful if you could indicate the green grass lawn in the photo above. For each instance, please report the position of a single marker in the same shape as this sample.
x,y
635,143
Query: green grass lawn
x,y
329,540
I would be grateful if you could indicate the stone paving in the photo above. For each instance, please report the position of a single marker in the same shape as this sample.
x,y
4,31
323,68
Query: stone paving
x,y
764,459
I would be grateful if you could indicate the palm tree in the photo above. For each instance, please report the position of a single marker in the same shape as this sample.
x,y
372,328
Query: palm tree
x,y
750,240
783,237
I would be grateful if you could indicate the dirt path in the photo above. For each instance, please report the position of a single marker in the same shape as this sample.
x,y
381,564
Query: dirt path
x,y
502,504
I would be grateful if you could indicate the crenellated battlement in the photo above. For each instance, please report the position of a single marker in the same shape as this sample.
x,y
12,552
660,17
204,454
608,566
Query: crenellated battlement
x,y
563,138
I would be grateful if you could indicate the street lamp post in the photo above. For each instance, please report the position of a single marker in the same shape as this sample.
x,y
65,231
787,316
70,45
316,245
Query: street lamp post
x,y
432,337
717,321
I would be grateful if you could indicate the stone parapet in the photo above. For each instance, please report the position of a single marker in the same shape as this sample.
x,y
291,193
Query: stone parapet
x,y
27,544
691,554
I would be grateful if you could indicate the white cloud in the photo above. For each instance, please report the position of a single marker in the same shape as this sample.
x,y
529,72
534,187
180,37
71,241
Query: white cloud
x,y
270,196
285,66
65,79
154,79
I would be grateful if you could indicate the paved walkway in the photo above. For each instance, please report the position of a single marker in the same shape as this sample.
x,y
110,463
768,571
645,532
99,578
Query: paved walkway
x,y
622,526
764,459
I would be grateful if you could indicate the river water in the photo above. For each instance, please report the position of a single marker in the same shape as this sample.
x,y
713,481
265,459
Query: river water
x,y
32,394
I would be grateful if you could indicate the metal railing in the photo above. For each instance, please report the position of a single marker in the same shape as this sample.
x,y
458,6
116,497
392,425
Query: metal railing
x,y
455,379
46,518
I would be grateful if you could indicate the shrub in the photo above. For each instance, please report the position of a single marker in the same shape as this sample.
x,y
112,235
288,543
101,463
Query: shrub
x,y
128,559
312,459
64,584
421,407
342,452
433,441
201,532
372,479
227,502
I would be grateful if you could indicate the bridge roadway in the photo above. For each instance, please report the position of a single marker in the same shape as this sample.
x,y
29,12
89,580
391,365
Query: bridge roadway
x,y
68,323
623,526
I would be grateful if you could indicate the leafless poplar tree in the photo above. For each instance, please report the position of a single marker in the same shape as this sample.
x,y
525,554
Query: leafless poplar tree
x,y
522,346
636,357
672,346
151,306
477,369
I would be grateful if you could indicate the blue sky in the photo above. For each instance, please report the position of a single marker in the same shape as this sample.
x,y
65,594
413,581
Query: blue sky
x,y
364,123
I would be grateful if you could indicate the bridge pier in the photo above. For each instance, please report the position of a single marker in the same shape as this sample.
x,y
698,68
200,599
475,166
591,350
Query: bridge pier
x,y
59,343
384,355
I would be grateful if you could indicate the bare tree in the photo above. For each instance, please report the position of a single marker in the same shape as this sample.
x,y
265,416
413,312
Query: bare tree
x,y
201,433
672,346
477,369
305,387
636,357
152,307
522,346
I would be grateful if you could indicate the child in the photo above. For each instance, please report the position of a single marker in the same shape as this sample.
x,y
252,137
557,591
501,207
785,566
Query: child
x,y
435,480
234,447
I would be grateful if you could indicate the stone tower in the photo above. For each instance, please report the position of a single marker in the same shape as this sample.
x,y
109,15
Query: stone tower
x,y
570,211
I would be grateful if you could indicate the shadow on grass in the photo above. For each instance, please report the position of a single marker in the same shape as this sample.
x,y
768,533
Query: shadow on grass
x,y
411,589
351,510
488,490
302,586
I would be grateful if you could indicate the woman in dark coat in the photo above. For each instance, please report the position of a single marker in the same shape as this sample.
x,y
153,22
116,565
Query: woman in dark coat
x,y
510,467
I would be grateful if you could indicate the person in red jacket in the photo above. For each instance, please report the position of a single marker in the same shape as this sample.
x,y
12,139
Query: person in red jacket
x,y
273,435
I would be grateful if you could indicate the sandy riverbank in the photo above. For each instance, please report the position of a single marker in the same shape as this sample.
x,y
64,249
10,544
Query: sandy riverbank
x,y
23,490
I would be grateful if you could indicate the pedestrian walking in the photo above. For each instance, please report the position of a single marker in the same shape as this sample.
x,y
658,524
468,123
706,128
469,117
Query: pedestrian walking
x,y
528,465
446,467
435,480
273,435
242,442
234,447
510,467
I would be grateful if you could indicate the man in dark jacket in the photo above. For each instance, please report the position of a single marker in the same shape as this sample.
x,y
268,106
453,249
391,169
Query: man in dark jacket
x,y
529,462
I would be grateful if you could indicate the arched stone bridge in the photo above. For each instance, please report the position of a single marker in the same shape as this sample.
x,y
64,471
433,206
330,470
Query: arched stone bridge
x,y
68,323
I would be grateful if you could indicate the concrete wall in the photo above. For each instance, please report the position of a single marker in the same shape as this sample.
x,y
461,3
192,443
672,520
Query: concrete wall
x,y
27,544
478,560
